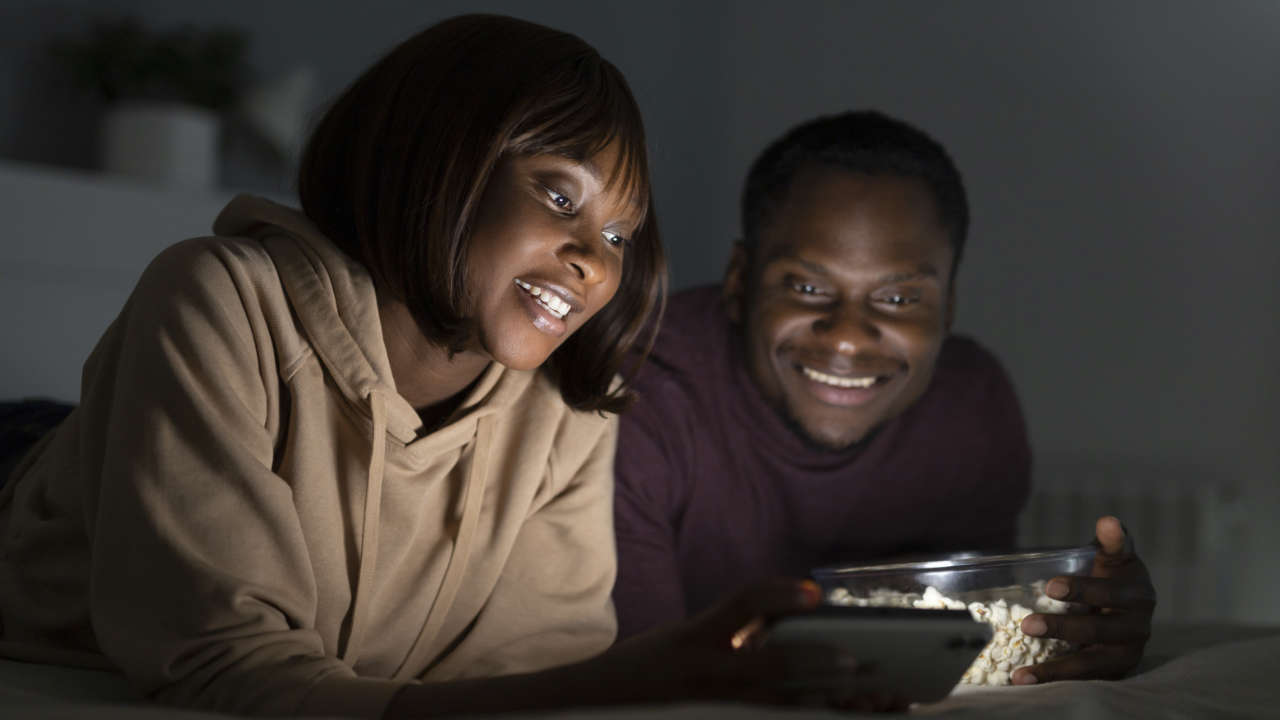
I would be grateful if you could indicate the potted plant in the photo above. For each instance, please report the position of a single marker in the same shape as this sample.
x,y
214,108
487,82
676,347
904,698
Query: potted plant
x,y
165,92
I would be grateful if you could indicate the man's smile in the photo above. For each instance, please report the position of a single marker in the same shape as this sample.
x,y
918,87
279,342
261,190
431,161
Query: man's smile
x,y
839,380
843,390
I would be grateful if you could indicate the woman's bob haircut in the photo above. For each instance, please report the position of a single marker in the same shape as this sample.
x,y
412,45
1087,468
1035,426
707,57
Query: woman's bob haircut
x,y
396,168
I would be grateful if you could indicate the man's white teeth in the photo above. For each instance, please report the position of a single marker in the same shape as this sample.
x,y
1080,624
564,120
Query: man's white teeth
x,y
546,298
844,382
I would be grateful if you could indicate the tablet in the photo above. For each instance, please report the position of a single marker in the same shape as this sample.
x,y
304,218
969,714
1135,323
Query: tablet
x,y
919,655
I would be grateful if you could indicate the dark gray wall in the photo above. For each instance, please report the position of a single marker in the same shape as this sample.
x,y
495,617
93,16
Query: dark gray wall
x,y
1121,159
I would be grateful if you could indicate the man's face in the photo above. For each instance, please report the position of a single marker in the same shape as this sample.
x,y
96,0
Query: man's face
x,y
846,303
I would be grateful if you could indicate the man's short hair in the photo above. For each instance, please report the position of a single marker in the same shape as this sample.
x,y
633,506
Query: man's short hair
x,y
865,142
396,168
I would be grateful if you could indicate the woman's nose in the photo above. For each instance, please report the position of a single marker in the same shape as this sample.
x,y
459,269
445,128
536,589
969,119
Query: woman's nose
x,y
583,256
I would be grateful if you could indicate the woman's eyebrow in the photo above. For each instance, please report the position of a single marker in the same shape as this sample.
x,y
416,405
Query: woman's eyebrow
x,y
556,173
592,169
569,166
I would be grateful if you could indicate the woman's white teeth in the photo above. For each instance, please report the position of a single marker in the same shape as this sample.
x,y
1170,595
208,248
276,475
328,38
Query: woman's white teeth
x,y
844,382
546,298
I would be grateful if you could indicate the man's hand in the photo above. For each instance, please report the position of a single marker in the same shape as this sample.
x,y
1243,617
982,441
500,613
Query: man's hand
x,y
1111,638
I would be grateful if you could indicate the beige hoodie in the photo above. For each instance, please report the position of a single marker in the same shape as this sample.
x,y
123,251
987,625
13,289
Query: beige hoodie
x,y
241,516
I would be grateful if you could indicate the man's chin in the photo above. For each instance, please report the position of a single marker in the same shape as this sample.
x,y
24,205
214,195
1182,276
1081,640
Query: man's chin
x,y
822,441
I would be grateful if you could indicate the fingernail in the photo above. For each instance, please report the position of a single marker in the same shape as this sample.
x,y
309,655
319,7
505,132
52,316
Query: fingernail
x,y
1025,677
746,634
1057,589
1034,625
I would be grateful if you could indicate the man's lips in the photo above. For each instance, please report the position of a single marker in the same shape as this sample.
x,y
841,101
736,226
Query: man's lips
x,y
845,389
841,381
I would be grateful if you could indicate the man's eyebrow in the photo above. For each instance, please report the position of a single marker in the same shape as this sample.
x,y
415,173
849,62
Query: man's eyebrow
x,y
812,267
923,272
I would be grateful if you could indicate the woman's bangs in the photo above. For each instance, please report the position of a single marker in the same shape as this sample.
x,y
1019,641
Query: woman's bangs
x,y
582,117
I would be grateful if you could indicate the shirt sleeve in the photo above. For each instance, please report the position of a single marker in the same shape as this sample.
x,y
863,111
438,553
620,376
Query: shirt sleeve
x,y
650,462
201,588
551,605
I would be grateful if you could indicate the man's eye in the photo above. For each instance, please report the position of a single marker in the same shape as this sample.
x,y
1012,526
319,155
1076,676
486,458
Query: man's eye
x,y
560,200
898,299
805,288
613,239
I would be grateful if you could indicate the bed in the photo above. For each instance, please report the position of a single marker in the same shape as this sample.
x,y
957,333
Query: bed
x,y
1191,671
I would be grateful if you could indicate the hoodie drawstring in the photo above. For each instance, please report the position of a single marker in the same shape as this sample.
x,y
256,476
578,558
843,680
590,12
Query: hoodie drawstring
x,y
369,531
462,546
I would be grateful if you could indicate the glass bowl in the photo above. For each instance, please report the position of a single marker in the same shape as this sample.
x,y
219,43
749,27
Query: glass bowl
x,y
998,588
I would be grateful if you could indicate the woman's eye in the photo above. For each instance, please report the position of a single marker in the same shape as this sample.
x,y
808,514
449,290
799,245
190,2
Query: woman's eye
x,y
561,201
805,288
613,239
898,299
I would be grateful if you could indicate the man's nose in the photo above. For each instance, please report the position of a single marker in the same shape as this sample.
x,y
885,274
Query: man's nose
x,y
848,327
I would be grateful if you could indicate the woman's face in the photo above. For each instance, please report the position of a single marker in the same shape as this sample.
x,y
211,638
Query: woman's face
x,y
547,252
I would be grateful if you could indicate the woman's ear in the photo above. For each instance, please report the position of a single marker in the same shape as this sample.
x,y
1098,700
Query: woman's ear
x,y
733,289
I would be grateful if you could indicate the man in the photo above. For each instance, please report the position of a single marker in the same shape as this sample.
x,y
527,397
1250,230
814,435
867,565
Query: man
x,y
814,409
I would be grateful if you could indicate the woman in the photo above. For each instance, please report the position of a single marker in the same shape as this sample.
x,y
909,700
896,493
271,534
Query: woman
x,y
357,459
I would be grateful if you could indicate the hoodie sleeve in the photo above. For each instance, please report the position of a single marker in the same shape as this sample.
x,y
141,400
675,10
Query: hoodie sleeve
x,y
201,583
551,605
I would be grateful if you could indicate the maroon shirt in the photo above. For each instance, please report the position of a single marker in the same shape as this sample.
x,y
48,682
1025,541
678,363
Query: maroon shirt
x,y
715,490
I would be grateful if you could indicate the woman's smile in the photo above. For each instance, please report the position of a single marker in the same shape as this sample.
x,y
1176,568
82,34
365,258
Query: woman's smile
x,y
547,306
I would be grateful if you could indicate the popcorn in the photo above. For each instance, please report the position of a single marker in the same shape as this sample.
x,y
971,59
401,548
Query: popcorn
x,y
1009,648
934,600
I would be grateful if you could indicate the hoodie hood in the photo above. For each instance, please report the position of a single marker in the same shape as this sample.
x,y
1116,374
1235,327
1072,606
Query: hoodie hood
x,y
335,302
334,299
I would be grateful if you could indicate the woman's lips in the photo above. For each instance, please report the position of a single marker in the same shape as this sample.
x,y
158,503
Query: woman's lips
x,y
550,297
546,309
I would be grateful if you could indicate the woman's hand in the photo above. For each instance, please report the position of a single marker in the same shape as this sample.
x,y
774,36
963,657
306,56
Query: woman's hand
x,y
716,656
719,656
1112,637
